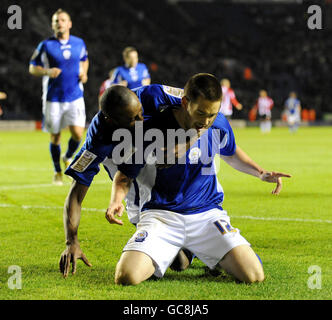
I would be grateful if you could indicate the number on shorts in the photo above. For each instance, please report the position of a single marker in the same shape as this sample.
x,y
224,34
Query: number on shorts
x,y
224,226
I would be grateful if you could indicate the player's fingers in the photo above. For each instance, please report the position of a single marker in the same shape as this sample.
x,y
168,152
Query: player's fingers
x,y
61,264
73,270
85,260
111,219
67,265
120,211
278,187
282,175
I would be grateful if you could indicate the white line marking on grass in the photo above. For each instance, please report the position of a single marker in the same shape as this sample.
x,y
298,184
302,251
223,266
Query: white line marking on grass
x,y
42,185
281,219
26,207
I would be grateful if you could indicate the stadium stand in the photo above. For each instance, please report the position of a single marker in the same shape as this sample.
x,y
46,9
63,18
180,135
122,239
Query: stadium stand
x,y
256,46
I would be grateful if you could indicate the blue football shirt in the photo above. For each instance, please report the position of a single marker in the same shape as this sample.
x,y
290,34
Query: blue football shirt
x,y
65,55
133,76
99,144
191,187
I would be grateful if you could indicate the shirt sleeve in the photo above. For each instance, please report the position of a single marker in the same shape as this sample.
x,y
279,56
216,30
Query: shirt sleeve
x,y
146,74
116,78
225,138
36,58
130,170
84,53
86,163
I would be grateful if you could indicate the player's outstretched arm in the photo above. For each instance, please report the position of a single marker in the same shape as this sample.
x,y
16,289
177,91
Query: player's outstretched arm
x,y
71,220
242,162
120,188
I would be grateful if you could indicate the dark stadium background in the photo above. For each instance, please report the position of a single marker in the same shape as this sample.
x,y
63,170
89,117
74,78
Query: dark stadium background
x,y
176,39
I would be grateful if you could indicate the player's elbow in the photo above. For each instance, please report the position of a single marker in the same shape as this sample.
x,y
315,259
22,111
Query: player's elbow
x,y
32,69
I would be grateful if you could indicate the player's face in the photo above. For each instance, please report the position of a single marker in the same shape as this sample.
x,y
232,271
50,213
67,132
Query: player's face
x,y
201,113
263,93
131,59
127,118
61,24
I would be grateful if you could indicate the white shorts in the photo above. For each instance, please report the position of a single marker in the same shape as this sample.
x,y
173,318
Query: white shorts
x,y
58,115
161,234
293,119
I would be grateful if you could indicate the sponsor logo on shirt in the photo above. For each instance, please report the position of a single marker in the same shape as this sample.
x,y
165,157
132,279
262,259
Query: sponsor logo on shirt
x,y
83,161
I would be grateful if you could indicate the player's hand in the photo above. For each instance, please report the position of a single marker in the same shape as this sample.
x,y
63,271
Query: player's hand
x,y
83,77
113,210
53,72
3,95
274,177
70,256
239,106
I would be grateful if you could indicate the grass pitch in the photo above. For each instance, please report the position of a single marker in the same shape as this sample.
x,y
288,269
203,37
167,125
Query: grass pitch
x,y
291,232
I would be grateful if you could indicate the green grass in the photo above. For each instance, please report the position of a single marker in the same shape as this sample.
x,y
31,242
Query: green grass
x,y
291,232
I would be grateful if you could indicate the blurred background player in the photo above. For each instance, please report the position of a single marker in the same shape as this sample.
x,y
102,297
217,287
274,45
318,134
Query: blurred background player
x,y
107,83
63,63
3,96
228,99
293,112
133,74
263,106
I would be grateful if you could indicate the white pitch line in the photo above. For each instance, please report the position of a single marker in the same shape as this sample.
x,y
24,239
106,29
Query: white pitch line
x,y
26,207
281,219
42,185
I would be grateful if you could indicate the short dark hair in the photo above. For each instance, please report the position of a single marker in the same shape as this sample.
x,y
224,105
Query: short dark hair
x,y
115,98
127,50
203,85
61,11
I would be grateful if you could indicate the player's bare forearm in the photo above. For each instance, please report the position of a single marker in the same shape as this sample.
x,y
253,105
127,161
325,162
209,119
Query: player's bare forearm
x,y
39,71
242,162
72,211
120,187
84,67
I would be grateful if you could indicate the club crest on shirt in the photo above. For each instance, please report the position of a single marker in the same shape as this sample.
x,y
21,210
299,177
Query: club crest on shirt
x,y
66,54
194,155
141,236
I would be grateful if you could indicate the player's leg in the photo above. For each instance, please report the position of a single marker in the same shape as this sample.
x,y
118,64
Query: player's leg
x,y
55,150
183,260
74,118
73,143
52,119
215,242
243,264
152,248
133,268
268,124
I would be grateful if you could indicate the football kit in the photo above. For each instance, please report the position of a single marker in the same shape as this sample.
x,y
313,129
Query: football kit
x,y
63,102
185,206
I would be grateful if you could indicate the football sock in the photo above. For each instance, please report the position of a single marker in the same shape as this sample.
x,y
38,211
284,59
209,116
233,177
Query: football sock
x,y
72,147
55,150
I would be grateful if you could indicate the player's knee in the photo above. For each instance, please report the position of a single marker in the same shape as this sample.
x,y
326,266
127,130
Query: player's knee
x,y
125,277
254,275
